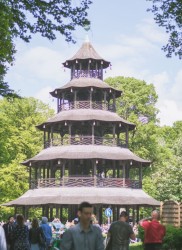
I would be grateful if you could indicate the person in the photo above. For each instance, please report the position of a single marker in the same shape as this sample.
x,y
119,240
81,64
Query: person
x,y
8,228
120,233
84,235
154,231
20,234
2,239
47,233
35,234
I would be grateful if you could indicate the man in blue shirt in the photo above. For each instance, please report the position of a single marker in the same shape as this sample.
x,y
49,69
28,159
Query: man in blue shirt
x,y
84,235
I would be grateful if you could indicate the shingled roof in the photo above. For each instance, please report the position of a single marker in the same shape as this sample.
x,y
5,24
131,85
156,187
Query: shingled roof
x,y
75,195
85,82
86,51
86,152
86,115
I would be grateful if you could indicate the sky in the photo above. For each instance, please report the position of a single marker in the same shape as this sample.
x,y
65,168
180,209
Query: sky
x,y
122,32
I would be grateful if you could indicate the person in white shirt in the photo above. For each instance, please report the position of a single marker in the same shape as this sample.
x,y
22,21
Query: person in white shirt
x,y
2,239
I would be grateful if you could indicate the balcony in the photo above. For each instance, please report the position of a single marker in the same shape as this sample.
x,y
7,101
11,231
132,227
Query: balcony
x,y
86,105
88,181
86,140
87,73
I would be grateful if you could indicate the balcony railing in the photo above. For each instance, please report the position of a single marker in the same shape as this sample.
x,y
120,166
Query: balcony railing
x,y
80,181
87,73
86,140
86,105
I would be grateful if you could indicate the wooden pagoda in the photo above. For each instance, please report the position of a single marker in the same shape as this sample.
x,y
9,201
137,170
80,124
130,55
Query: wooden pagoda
x,y
85,155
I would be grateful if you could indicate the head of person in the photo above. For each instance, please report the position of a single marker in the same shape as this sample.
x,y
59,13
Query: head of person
x,y
123,216
20,220
44,220
75,221
85,211
155,215
11,219
35,223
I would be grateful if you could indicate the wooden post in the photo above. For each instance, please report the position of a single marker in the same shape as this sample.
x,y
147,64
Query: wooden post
x,y
140,175
124,174
93,134
127,140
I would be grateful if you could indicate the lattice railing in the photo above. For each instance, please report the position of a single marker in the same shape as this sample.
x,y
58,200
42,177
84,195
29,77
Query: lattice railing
x,y
86,140
86,105
87,73
88,181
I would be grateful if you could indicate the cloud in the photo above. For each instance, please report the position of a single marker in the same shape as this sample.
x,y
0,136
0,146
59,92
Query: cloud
x,y
41,62
176,90
44,95
169,112
150,31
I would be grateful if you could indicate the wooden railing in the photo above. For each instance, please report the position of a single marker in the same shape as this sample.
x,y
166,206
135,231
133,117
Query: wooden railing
x,y
81,181
86,105
86,140
87,73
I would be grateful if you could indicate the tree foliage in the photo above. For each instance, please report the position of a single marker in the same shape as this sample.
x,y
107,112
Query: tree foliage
x,y
168,14
138,100
22,18
19,140
162,145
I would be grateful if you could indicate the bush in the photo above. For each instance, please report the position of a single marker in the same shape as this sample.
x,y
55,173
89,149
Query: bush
x,y
173,238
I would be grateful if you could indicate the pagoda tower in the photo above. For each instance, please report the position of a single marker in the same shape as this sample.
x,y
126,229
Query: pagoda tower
x,y
85,155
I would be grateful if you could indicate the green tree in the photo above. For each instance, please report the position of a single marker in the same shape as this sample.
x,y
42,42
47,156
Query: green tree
x,y
149,140
138,100
18,118
19,140
168,14
22,18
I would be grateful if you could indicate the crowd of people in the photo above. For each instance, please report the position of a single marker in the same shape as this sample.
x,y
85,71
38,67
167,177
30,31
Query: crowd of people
x,y
83,233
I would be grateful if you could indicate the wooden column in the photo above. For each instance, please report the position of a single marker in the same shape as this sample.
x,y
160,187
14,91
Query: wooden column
x,y
91,90
114,102
69,132
44,139
51,142
133,215
44,172
43,210
114,168
114,133
140,175
51,213
94,172
63,171
100,214
75,97
137,215
48,170
51,169
93,133
62,106
124,174
30,176
114,208
127,136
105,100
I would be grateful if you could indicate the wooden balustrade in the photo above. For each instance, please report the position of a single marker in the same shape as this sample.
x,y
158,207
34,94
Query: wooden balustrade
x,y
86,140
81,181
86,105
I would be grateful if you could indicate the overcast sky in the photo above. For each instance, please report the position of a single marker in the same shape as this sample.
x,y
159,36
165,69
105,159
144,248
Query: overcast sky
x,y
122,32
